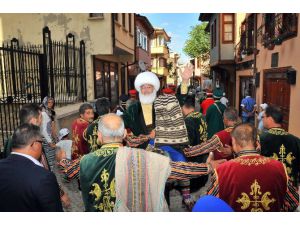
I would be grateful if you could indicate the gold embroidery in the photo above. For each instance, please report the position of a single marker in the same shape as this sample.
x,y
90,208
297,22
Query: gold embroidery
x,y
107,204
287,159
203,131
256,193
253,161
105,151
277,131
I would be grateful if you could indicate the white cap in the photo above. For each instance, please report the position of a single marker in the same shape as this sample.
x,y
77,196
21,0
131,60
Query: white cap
x,y
264,106
63,132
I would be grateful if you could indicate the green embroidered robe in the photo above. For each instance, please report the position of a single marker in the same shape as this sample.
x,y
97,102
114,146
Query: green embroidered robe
x,y
97,179
214,118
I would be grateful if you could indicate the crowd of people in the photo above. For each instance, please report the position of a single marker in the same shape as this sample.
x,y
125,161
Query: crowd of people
x,y
129,158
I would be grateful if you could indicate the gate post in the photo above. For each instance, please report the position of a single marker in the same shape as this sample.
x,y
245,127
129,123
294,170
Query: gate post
x,y
83,71
48,58
14,44
43,76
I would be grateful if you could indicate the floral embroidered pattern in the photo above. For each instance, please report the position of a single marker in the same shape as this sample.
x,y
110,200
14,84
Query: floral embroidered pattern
x,y
252,161
257,201
105,198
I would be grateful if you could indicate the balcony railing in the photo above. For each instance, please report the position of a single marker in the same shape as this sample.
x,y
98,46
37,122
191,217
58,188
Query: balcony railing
x,y
283,27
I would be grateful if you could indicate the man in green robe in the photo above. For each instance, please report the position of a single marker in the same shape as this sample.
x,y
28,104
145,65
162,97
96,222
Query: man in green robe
x,y
279,144
214,114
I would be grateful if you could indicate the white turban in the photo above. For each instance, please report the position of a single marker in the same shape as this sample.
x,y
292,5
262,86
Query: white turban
x,y
146,78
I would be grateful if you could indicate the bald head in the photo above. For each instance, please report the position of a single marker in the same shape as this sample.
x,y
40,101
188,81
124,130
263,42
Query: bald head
x,y
244,136
111,128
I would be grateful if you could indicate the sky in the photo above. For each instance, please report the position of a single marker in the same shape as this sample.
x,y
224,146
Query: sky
x,y
177,26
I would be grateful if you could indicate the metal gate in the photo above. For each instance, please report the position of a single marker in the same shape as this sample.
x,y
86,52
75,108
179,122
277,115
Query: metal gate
x,y
29,73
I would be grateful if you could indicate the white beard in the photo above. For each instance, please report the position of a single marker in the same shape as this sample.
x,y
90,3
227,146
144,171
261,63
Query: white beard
x,y
147,99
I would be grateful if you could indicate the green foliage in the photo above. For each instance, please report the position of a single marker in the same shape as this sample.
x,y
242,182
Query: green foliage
x,y
198,44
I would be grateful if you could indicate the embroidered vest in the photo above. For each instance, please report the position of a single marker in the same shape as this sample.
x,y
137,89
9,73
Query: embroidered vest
x,y
282,146
252,183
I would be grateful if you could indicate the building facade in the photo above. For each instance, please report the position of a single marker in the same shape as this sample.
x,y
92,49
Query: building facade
x,y
160,54
109,42
222,39
172,66
267,54
143,34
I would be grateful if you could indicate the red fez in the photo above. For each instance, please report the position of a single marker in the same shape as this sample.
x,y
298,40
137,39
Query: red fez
x,y
132,92
168,91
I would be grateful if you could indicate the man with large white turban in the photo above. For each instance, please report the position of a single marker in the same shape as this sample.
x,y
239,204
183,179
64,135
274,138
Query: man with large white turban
x,y
140,116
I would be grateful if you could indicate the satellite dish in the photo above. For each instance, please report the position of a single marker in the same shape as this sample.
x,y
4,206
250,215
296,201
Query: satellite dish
x,y
142,65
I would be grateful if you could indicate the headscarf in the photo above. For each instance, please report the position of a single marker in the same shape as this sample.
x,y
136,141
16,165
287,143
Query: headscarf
x,y
44,105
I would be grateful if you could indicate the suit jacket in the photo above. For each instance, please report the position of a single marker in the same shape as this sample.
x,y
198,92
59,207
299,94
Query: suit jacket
x,y
27,187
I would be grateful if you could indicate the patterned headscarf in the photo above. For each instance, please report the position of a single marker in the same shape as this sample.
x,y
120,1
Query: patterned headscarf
x,y
44,105
170,127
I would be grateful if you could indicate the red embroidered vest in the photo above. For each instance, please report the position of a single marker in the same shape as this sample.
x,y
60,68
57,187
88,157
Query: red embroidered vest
x,y
79,145
252,183
225,138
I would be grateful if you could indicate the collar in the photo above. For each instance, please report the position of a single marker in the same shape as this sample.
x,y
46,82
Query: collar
x,y
277,131
111,145
35,161
248,96
247,152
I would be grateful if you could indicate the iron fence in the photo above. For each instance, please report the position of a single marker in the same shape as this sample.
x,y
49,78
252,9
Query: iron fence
x,y
29,73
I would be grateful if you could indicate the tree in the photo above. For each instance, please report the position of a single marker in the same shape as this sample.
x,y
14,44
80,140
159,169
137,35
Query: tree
x,y
198,44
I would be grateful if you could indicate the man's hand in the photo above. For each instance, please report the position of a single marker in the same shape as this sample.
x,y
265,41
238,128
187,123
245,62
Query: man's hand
x,y
152,134
187,73
226,150
65,200
214,163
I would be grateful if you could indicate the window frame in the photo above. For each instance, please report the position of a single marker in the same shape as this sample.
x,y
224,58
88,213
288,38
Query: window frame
x,y
223,28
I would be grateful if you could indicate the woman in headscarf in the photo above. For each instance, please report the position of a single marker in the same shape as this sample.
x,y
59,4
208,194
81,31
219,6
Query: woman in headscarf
x,y
48,124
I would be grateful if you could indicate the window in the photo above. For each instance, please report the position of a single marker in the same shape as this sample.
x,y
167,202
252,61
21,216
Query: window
x,y
198,62
138,37
116,16
153,42
162,62
161,41
250,32
106,80
270,24
97,15
124,20
129,22
142,40
228,27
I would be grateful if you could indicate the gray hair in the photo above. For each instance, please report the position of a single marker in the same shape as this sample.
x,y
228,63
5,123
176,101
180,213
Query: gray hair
x,y
231,114
111,133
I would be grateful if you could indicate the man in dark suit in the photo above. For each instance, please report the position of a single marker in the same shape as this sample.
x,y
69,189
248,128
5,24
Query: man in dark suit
x,y
25,186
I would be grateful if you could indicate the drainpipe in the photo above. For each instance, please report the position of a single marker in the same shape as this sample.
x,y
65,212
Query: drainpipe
x,y
255,52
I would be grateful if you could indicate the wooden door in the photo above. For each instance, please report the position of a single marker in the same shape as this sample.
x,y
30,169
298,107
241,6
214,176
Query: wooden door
x,y
277,92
